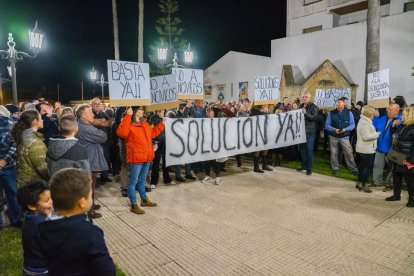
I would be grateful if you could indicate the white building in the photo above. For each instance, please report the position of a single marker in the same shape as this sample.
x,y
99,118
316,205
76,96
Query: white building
x,y
327,29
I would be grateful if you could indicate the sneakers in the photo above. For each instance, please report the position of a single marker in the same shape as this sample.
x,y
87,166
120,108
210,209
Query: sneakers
x,y
218,181
190,177
147,203
124,192
180,179
152,186
206,179
135,209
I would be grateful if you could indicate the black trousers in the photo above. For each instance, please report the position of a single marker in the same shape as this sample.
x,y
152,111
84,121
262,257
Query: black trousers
x,y
212,164
155,170
366,166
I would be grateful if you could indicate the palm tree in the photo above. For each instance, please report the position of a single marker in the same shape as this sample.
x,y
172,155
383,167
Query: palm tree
x,y
141,31
372,62
115,22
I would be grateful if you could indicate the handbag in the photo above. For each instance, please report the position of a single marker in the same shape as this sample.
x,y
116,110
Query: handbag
x,y
396,157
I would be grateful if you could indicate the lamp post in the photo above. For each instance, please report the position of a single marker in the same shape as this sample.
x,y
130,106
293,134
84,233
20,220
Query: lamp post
x,y
12,55
162,56
93,75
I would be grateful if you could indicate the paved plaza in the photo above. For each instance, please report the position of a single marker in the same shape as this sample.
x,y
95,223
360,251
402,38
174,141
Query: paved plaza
x,y
276,223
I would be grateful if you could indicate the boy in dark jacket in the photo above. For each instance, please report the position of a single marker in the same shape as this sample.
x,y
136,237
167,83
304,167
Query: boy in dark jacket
x,y
71,244
36,201
65,151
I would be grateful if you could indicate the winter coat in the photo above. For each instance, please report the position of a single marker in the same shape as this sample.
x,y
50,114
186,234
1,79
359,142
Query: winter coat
x,y
74,246
366,136
92,138
50,128
138,137
311,119
385,138
7,145
31,158
403,141
66,153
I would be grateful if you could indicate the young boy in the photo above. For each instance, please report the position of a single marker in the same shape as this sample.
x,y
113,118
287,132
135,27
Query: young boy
x,y
36,201
71,244
65,151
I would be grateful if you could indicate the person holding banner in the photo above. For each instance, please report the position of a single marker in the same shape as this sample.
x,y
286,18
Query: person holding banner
x,y
310,111
260,110
138,134
243,112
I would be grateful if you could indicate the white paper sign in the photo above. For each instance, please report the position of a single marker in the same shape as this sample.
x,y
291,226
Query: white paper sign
x,y
189,82
192,140
266,89
329,97
379,85
128,82
163,89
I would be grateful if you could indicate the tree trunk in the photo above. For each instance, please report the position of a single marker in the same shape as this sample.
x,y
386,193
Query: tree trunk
x,y
141,31
372,63
116,35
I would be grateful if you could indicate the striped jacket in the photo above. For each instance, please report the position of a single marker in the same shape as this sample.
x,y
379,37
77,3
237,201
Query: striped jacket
x,y
7,146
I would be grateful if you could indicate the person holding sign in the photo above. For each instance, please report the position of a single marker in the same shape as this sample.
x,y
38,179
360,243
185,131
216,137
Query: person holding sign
x,y
339,124
138,134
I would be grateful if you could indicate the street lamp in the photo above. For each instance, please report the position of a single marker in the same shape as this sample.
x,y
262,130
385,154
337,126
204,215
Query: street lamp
x,y
162,56
12,55
93,74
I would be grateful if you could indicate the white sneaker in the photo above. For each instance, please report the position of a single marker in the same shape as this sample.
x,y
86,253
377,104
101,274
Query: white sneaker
x,y
152,186
218,180
206,179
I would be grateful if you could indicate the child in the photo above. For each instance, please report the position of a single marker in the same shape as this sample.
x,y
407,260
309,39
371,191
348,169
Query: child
x,y
36,201
65,151
71,244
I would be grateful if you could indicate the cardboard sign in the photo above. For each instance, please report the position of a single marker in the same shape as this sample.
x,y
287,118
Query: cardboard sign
x,y
266,90
192,140
163,93
379,88
327,98
129,83
189,83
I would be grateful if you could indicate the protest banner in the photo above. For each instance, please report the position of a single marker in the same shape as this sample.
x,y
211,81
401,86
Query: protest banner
x,y
129,83
192,140
266,90
379,88
163,93
189,83
327,98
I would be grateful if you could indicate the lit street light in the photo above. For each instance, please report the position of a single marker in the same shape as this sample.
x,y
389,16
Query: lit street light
x,y
12,55
162,56
93,74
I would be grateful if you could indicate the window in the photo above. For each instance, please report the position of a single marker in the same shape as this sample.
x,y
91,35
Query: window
x,y
308,2
312,29
409,6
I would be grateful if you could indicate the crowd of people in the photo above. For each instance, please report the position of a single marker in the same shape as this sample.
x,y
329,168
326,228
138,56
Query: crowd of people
x,y
77,148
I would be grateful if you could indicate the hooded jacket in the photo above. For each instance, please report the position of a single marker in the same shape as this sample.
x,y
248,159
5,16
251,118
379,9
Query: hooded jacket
x,y
74,246
66,153
31,158
7,145
138,137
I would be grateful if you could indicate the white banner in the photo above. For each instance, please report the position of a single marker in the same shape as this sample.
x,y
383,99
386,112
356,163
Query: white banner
x,y
163,89
129,83
329,97
189,83
266,89
379,85
190,140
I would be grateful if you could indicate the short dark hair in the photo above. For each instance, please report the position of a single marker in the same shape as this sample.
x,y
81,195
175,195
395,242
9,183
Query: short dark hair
x,y
67,123
343,99
39,105
67,186
29,193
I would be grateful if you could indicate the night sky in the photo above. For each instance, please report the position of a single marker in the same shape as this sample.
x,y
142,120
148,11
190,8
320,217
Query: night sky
x,y
79,35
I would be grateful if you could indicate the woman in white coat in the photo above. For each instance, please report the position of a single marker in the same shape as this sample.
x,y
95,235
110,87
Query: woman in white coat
x,y
366,146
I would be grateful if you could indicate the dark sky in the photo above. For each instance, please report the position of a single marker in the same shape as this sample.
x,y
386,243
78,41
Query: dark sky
x,y
79,34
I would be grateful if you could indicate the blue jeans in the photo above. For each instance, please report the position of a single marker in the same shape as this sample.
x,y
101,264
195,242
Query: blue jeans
x,y
306,153
8,182
178,170
136,179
